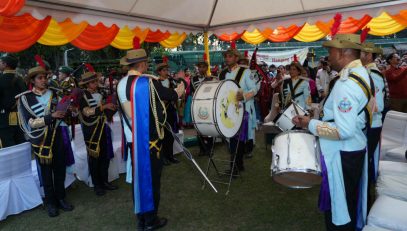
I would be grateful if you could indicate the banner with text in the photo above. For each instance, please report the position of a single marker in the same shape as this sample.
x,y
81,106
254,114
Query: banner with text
x,y
280,57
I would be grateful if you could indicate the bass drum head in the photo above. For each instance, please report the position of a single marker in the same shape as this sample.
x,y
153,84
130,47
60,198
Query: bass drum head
x,y
228,111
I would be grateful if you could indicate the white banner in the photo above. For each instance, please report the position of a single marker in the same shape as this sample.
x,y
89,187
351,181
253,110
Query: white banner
x,y
280,57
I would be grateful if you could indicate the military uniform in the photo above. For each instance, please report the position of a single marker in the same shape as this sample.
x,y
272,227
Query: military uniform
x,y
142,196
242,77
97,135
341,132
172,119
49,139
297,90
374,132
10,86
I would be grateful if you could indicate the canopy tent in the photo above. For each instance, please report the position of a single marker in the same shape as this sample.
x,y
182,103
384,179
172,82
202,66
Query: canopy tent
x,y
94,24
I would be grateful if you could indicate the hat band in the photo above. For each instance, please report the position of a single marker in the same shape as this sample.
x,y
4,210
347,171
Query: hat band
x,y
88,79
136,59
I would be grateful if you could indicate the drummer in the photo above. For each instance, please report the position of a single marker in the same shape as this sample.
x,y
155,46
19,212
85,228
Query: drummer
x,y
205,142
296,88
242,77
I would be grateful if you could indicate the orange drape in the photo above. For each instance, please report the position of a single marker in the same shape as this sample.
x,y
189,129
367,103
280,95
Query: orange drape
x,y
230,37
96,37
281,34
20,32
10,7
157,36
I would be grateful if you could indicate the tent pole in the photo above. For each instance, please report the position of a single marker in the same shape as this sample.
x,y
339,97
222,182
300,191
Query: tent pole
x,y
206,47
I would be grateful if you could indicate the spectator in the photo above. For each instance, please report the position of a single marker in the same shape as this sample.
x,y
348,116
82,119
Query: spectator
x,y
397,79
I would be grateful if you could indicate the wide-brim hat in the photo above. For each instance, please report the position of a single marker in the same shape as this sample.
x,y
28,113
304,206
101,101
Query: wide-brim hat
x,y
133,56
232,51
371,48
344,41
36,71
88,77
161,66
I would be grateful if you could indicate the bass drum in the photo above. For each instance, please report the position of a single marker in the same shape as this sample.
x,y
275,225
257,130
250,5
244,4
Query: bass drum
x,y
215,111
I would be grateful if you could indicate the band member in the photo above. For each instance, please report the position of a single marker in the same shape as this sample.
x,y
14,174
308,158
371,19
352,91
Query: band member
x,y
143,121
172,118
248,86
49,138
96,133
341,136
10,86
65,82
296,88
368,56
205,142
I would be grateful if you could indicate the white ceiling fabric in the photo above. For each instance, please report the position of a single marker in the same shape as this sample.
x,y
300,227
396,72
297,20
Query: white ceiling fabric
x,y
195,15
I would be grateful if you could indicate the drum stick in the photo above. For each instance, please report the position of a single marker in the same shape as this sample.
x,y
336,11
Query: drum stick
x,y
295,107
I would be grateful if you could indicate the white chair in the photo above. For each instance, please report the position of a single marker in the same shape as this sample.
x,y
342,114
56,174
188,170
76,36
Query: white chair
x,y
394,136
81,167
388,213
18,190
372,228
177,148
394,186
392,168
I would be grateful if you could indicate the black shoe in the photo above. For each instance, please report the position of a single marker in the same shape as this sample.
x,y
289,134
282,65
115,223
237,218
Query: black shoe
x,y
159,223
52,210
241,168
109,186
174,160
62,204
140,226
99,191
166,162
248,156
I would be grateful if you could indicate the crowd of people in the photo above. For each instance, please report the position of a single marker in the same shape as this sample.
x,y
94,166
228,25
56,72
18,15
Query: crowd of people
x,y
154,107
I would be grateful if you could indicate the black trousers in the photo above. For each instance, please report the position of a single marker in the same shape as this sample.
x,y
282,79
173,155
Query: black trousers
x,y
352,166
167,150
10,136
156,169
373,138
99,167
53,175
237,148
205,144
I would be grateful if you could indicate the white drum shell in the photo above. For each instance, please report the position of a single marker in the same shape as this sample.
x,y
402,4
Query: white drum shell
x,y
296,160
285,121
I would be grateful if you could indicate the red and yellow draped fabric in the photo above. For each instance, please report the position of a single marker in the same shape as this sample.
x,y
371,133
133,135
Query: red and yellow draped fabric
x,y
20,32
10,7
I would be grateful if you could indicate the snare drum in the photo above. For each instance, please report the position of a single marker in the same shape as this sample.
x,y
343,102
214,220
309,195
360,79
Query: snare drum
x,y
284,122
296,162
215,111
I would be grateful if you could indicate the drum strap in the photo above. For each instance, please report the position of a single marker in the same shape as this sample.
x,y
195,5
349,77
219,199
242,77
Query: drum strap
x,y
293,89
238,76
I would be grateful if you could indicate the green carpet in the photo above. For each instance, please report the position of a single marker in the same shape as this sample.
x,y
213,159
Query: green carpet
x,y
255,202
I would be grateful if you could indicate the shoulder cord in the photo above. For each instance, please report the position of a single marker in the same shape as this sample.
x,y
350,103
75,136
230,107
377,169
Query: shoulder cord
x,y
153,105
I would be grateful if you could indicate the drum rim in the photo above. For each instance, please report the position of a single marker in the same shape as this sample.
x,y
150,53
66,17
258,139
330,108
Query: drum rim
x,y
292,131
275,171
275,174
244,109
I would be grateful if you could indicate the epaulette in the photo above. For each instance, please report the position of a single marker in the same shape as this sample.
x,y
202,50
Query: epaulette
x,y
244,66
22,93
